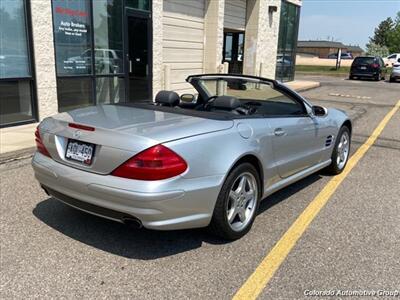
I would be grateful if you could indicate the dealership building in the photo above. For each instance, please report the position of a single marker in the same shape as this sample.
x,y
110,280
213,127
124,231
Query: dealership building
x,y
63,54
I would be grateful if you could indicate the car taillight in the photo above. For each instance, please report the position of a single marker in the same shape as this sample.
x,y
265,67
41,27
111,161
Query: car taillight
x,y
155,163
375,66
39,143
80,126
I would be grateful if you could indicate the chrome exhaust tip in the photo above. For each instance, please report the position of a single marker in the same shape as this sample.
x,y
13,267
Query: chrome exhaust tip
x,y
132,222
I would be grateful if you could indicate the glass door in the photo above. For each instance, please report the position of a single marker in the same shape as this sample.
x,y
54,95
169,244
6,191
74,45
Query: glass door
x,y
138,57
233,51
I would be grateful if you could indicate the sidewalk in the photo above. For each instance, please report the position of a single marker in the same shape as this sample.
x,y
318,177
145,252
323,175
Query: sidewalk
x,y
302,85
20,141
17,138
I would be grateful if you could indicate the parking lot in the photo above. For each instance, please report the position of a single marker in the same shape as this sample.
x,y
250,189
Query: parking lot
x,y
49,250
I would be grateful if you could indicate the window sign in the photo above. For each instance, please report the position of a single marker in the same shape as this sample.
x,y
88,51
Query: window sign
x,y
72,34
14,59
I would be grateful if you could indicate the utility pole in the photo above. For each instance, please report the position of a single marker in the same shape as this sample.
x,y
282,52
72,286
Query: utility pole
x,y
339,58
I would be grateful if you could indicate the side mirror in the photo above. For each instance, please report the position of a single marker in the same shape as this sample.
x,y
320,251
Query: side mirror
x,y
188,98
319,111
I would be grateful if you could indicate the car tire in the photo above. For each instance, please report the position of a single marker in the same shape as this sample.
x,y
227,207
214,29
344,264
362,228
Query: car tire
x,y
392,79
351,77
234,204
340,155
377,78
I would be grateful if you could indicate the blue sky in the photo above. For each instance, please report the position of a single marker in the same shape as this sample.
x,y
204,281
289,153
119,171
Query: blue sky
x,y
347,21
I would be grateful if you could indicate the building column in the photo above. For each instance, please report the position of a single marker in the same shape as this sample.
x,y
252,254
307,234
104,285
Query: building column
x,y
261,38
214,35
42,31
157,19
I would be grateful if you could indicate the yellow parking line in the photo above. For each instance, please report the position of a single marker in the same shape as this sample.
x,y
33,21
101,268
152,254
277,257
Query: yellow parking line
x,y
270,264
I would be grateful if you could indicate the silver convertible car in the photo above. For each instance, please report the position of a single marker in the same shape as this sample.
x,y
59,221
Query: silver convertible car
x,y
195,160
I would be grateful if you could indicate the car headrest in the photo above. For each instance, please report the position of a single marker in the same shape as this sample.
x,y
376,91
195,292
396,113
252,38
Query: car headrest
x,y
226,102
167,98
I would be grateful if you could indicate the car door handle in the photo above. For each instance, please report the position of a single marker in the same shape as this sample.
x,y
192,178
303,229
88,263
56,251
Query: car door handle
x,y
279,132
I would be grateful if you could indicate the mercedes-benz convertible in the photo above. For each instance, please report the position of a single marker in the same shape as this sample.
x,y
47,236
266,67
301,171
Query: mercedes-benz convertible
x,y
204,159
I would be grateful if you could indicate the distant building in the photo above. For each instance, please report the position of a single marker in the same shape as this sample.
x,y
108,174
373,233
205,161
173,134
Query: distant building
x,y
319,48
323,48
355,50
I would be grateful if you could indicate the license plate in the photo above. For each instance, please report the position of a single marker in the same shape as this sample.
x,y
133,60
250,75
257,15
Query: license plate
x,y
80,151
363,68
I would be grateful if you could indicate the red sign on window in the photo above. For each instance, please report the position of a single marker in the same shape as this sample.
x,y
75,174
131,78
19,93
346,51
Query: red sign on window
x,y
71,12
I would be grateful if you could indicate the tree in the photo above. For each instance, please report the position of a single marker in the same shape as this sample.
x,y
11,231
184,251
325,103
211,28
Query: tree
x,y
377,50
381,32
393,36
397,20
386,37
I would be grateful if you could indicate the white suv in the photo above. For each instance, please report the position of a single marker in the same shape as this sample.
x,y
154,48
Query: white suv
x,y
395,71
392,58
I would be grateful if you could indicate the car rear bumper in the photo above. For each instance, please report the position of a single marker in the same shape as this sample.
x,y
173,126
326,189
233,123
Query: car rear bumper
x,y
177,203
369,75
395,75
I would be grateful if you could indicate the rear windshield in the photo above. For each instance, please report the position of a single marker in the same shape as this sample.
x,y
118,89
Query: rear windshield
x,y
364,60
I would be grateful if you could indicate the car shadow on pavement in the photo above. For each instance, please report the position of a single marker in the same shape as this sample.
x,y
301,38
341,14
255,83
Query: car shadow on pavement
x,y
119,239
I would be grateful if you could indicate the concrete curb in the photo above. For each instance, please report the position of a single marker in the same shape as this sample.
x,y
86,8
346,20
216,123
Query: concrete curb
x,y
301,86
307,88
17,155
344,75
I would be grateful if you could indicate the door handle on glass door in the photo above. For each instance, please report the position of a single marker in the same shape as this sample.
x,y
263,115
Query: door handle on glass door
x,y
130,66
279,132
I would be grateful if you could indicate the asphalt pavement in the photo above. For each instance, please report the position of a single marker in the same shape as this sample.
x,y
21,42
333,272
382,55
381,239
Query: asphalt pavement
x,y
49,250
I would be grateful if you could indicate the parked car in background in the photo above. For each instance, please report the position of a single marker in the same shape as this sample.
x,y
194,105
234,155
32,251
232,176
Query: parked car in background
x,y
395,72
343,56
368,67
283,60
107,61
392,58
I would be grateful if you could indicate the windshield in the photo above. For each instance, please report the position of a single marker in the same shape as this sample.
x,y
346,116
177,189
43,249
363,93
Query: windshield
x,y
243,89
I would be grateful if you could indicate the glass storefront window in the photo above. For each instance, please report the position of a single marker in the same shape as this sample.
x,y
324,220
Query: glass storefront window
x,y
110,90
107,19
288,34
74,93
14,58
16,76
138,4
15,101
90,55
228,47
72,36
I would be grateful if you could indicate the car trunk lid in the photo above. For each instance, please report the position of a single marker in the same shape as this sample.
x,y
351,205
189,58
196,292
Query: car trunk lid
x,y
119,132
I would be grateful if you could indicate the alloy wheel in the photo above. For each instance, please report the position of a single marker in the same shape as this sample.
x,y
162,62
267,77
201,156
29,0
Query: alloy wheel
x,y
343,149
242,201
